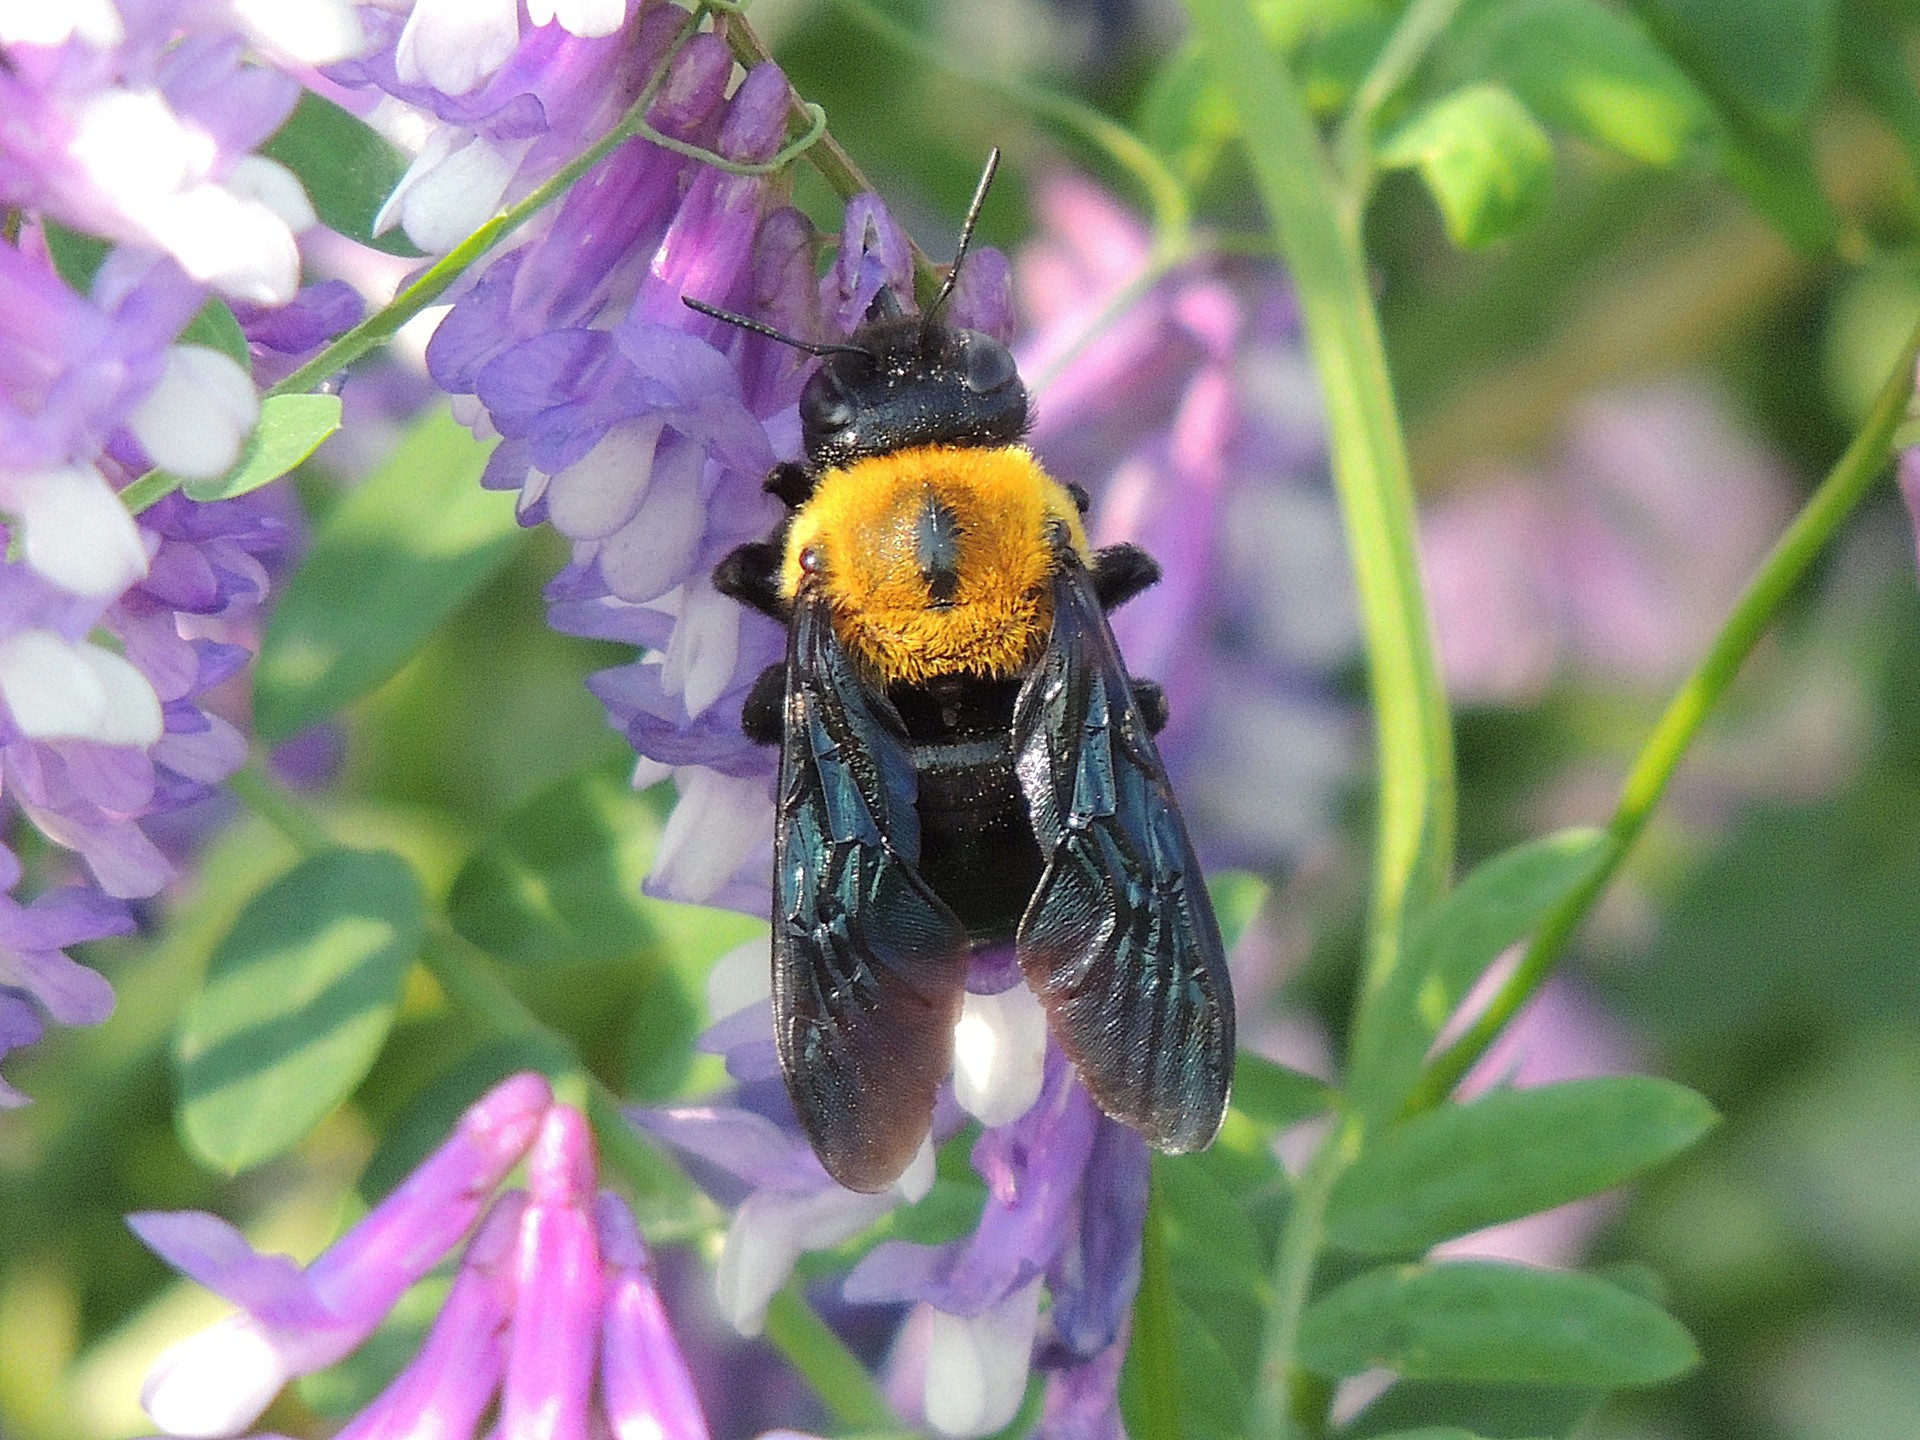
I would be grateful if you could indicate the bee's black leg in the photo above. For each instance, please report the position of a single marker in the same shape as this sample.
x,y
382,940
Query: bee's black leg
x,y
1082,501
762,716
1121,572
791,484
750,574
1152,701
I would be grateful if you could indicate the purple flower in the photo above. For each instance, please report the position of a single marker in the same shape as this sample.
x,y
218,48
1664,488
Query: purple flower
x,y
293,1321
1067,1194
139,127
1620,561
37,980
553,1323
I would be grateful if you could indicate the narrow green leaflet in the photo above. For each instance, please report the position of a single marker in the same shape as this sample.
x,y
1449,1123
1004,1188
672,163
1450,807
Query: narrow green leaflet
x,y
1475,1321
391,562
1508,1154
1500,903
1277,1095
347,166
298,999
1587,70
559,880
1486,160
291,428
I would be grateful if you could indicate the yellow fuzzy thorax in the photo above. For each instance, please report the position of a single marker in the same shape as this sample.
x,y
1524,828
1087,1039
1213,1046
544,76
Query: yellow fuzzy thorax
x,y
859,524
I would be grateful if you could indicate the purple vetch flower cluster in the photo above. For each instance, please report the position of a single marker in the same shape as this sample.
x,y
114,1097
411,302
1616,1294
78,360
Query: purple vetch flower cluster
x,y
490,101
1046,1280
553,1324
133,123
643,431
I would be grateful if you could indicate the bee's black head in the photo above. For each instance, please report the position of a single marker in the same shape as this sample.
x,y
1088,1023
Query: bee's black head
x,y
905,382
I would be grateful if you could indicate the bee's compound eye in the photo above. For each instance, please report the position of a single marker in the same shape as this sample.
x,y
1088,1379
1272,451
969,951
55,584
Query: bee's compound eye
x,y
811,560
824,406
986,364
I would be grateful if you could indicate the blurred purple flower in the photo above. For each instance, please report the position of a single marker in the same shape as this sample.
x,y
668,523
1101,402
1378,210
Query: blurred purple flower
x,y
1193,419
138,126
1619,562
553,1322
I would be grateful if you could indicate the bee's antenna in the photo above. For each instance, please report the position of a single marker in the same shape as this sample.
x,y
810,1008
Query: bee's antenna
x,y
966,239
812,348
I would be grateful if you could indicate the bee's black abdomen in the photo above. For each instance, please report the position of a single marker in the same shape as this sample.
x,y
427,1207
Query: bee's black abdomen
x,y
977,851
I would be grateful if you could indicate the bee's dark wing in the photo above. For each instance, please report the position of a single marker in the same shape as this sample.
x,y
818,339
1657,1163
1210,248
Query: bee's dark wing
x,y
868,964
1119,940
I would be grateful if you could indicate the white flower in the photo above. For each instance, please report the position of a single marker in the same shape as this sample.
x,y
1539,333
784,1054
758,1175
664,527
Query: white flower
x,y
57,689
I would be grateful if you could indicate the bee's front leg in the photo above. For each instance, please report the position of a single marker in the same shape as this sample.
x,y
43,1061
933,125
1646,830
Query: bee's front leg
x,y
762,715
750,573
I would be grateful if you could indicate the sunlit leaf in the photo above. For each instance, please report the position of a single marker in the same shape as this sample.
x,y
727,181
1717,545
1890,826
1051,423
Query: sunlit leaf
x,y
1484,158
298,1000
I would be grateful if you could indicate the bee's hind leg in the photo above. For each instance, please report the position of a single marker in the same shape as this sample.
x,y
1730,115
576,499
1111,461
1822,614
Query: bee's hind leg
x,y
1152,701
1121,572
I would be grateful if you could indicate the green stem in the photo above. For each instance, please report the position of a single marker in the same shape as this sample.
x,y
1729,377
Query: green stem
x,y
1418,27
843,1384
267,798
1413,742
1812,529
1288,1402
1165,195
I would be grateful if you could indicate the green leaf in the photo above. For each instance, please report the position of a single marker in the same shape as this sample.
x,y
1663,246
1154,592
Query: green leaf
x,y
1500,903
1474,1321
1508,1154
1237,896
215,328
1589,71
1218,1214
76,255
1485,159
1432,1432
394,558
559,879
1767,58
291,428
1479,1409
298,1000
1276,1095
347,166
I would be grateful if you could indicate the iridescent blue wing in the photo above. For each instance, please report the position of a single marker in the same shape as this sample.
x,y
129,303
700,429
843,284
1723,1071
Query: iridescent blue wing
x,y
1119,941
868,963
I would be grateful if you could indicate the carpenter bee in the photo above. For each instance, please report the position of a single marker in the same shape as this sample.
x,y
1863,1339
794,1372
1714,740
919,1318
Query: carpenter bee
x,y
963,758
